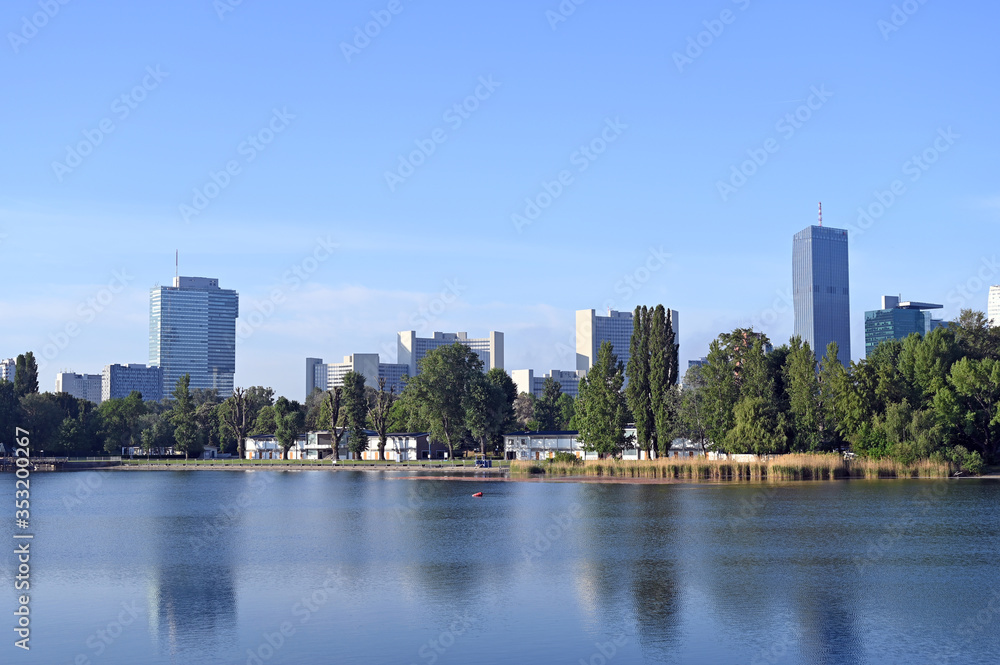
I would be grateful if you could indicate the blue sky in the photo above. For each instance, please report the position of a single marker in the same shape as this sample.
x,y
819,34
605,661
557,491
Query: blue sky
x,y
436,248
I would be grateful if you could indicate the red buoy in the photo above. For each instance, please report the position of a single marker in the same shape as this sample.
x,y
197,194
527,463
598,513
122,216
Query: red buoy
x,y
478,494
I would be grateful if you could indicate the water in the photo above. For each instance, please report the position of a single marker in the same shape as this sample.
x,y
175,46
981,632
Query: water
x,y
360,567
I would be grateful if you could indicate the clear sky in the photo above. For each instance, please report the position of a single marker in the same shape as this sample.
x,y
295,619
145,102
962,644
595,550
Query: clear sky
x,y
117,114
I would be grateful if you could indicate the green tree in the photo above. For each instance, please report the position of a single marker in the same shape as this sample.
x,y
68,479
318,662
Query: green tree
x,y
490,407
355,406
524,410
157,433
121,424
547,408
601,411
331,414
25,375
182,416
442,388
802,391
974,414
567,412
691,408
41,415
637,390
290,420
9,409
664,372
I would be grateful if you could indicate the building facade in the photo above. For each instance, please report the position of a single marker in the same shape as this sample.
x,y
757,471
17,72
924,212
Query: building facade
x,y
8,367
592,330
821,289
993,306
80,386
897,320
411,349
192,330
527,382
117,381
330,375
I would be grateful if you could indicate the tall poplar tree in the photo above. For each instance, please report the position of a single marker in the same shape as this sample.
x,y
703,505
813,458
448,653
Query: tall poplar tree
x,y
601,410
637,392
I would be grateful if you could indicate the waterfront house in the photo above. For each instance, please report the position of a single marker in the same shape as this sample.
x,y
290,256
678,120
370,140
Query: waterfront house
x,y
544,445
406,447
266,446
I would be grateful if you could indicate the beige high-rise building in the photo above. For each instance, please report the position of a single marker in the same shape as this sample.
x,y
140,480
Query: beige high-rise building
x,y
410,348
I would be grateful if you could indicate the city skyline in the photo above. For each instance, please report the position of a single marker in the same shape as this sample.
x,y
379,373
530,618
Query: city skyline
x,y
651,171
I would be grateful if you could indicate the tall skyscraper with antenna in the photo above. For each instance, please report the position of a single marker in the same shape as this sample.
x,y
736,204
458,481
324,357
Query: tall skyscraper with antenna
x,y
821,290
192,330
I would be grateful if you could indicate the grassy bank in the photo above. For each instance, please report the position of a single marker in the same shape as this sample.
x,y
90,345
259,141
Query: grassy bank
x,y
784,467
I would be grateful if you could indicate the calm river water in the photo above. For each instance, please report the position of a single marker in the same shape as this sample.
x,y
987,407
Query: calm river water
x,y
360,567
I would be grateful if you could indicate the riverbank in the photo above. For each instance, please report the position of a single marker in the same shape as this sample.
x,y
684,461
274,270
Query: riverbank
x,y
784,467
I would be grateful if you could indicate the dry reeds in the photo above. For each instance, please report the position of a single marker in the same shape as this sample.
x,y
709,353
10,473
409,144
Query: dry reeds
x,y
778,467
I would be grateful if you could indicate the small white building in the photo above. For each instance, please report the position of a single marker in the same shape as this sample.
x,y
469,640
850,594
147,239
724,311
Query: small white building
x,y
266,446
544,445
406,447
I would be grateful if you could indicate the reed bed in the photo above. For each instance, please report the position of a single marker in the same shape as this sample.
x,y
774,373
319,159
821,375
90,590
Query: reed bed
x,y
778,467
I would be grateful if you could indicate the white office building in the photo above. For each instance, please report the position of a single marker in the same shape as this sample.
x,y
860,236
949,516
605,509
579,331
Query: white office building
x,y
592,330
527,382
330,375
411,349
117,381
7,369
80,386
993,307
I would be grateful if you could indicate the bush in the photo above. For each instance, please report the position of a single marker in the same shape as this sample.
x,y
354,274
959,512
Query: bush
x,y
566,458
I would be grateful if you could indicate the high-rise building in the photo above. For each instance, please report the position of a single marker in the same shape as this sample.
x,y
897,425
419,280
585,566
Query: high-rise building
x,y
331,375
8,366
592,330
993,306
80,386
821,289
527,382
192,330
410,349
118,381
897,320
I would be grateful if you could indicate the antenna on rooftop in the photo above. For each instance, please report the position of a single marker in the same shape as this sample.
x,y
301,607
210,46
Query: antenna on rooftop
x,y
821,213
177,260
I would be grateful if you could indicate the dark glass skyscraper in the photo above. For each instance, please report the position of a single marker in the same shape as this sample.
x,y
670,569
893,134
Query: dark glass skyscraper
x,y
821,289
192,330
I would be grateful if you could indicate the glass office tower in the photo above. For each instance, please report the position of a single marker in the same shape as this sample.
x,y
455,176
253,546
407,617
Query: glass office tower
x,y
821,289
192,330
